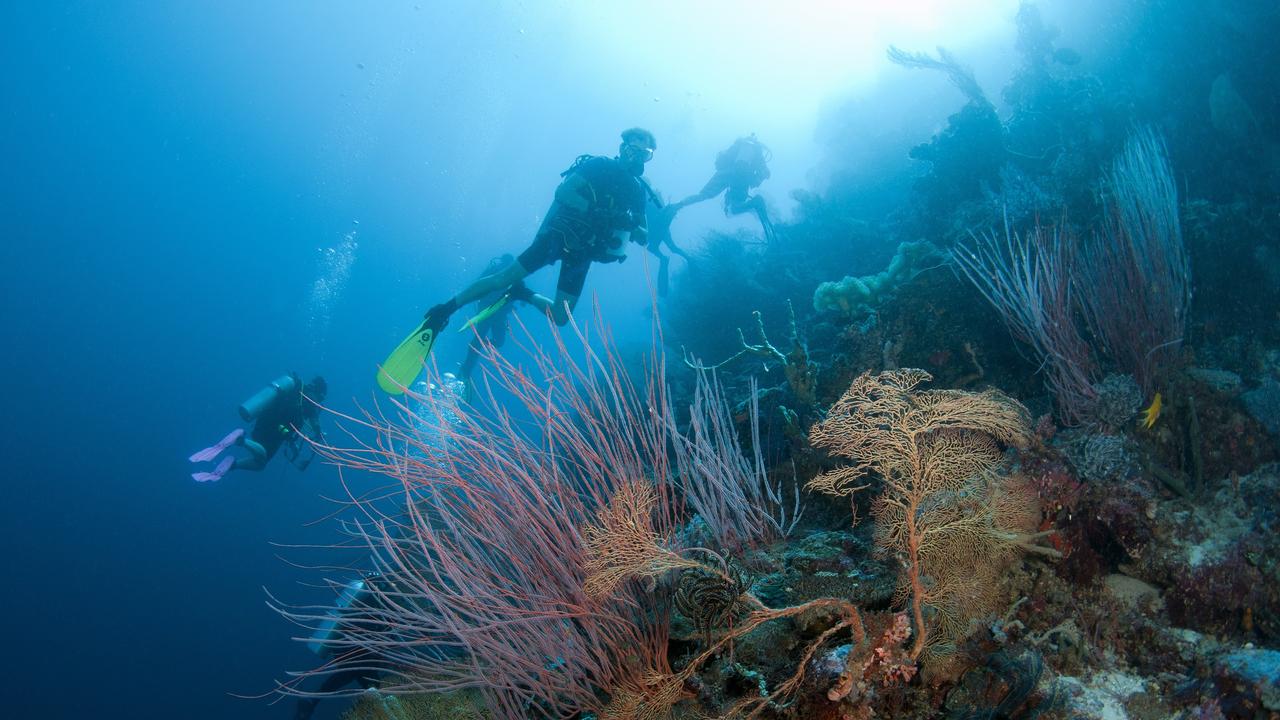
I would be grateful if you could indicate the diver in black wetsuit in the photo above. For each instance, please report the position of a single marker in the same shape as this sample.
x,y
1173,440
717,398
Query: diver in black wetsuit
x,y
598,208
741,167
659,218
282,414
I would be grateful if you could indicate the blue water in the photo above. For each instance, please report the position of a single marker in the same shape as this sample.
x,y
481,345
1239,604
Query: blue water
x,y
173,175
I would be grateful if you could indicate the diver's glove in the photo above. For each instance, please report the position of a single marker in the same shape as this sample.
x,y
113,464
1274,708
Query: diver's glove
x,y
437,317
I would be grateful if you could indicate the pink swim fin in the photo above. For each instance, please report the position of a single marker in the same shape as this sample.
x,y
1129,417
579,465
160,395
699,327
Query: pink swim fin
x,y
217,473
214,451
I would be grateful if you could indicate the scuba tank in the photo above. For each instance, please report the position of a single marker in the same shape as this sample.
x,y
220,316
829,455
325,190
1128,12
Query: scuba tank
x,y
253,407
354,590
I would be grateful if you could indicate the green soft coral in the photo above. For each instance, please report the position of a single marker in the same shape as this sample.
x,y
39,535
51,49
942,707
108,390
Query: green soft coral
x,y
856,295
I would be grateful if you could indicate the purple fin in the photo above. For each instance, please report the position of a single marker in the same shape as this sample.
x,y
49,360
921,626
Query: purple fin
x,y
214,451
217,473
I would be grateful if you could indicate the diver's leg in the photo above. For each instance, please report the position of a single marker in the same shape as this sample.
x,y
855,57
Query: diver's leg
x,y
466,367
755,204
496,330
469,362
252,464
501,280
677,250
562,309
559,309
537,255
333,683
737,201
573,276
257,458
343,678
663,262
654,247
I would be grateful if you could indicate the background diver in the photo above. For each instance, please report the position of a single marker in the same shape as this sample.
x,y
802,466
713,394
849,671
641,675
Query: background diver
x,y
597,209
742,166
283,411
357,603
659,219
490,321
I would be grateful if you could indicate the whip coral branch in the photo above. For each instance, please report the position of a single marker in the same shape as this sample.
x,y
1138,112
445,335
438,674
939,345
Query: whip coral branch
x,y
1028,279
731,493
1135,276
1129,285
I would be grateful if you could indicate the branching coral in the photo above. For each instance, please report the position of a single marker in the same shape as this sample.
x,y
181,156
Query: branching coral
x,y
945,511
959,75
885,665
505,548
622,542
623,547
801,375
730,491
1029,279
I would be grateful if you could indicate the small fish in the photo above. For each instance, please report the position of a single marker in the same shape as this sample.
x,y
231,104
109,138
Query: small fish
x,y
1152,413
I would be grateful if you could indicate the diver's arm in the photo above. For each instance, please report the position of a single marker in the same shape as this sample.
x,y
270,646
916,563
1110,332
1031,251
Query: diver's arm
x,y
311,429
577,194
302,440
573,193
300,462
714,187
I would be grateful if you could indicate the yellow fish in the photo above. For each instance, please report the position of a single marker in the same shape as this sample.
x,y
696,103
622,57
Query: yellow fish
x,y
1152,413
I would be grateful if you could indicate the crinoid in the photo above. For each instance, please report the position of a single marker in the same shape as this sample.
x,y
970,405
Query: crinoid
x,y
710,599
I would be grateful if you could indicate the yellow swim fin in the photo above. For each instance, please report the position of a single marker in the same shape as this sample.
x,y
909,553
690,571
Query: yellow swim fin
x,y
486,313
404,363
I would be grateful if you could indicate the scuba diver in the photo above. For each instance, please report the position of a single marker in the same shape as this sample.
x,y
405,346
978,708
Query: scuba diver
x,y
659,218
326,641
742,166
490,321
598,208
282,416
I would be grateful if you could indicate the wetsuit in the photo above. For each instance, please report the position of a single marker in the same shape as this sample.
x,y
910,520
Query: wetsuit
x,y
276,425
576,239
739,168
